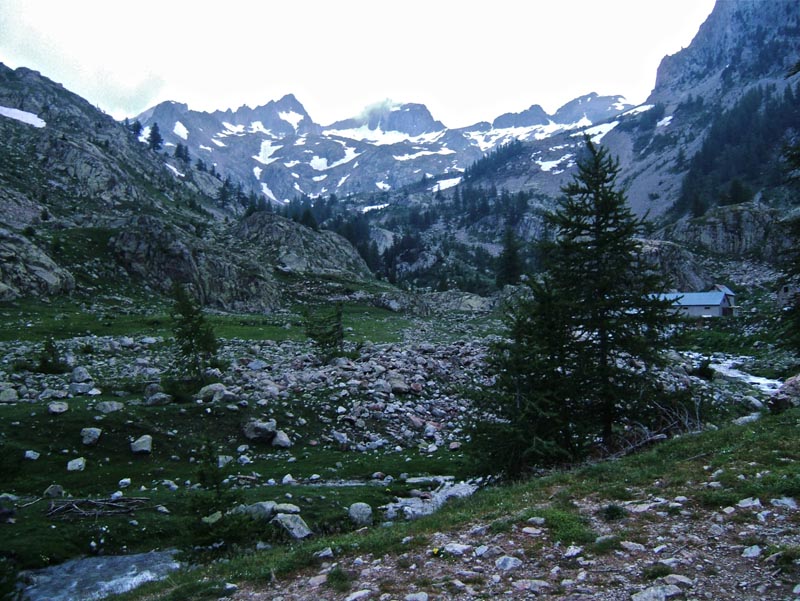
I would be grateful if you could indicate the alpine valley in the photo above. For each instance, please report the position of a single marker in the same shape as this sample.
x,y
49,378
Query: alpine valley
x,y
405,226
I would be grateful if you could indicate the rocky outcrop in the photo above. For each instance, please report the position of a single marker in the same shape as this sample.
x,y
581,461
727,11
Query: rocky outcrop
x,y
678,265
293,248
737,231
161,253
26,270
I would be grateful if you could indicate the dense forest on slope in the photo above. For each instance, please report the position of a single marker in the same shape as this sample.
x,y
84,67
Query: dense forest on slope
x,y
741,152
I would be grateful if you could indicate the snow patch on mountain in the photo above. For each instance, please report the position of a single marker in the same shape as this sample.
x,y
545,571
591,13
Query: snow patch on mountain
x,y
638,109
444,184
550,165
180,130
231,129
267,150
374,208
175,171
291,117
257,127
383,138
267,192
383,186
342,181
598,132
422,153
257,172
665,121
22,116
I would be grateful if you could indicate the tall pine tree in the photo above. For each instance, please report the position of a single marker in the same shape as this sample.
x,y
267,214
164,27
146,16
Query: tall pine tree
x,y
575,367
599,272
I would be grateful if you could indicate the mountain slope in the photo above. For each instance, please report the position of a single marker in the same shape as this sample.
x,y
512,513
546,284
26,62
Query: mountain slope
x,y
86,206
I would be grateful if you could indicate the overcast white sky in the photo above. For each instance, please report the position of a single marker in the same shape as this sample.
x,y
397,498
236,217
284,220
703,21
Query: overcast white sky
x,y
467,61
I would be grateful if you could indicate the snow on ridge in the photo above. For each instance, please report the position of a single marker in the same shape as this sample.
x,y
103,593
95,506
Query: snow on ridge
x,y
202,147
231,129
180,130
422,153
218,143
598,132
319,178
665,121
292,118
22,116
638,109
382,138
383,186
342,181
444,184
267,150
291,164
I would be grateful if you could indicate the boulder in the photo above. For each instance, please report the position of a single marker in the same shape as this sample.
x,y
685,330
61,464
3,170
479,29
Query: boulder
x,y
53,491
158,399
142,445
79,388
76,465
80,375
109,406
90,436
293,524
211,392
263,510
57,407
787,396
281,440
8,395
32,455
260,430
360,514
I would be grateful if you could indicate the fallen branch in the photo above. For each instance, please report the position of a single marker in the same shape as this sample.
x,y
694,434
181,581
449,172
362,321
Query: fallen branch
x,y
94,507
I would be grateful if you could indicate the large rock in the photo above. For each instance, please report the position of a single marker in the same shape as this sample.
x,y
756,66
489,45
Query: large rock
x,y
293,524
360,514
27,271
8,395
211,392
142,445
57,407
81,375
90,436
281,440
76,465
109,406
787,396
260,430
262,510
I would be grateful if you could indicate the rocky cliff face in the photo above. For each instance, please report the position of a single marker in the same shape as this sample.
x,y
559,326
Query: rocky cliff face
x,y
27,271
737,231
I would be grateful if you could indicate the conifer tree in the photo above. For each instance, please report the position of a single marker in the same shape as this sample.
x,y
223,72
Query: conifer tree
x,y
599,271
197,343
565,378
154,138
509,264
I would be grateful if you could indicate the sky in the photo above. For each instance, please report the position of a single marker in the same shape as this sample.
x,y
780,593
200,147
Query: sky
x,y
466,60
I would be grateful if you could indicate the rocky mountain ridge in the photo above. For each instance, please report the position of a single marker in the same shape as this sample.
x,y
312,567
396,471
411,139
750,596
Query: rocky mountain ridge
x,y
278,149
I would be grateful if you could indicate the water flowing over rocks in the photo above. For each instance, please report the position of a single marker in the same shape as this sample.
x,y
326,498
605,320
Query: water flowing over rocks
x,y
97,577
